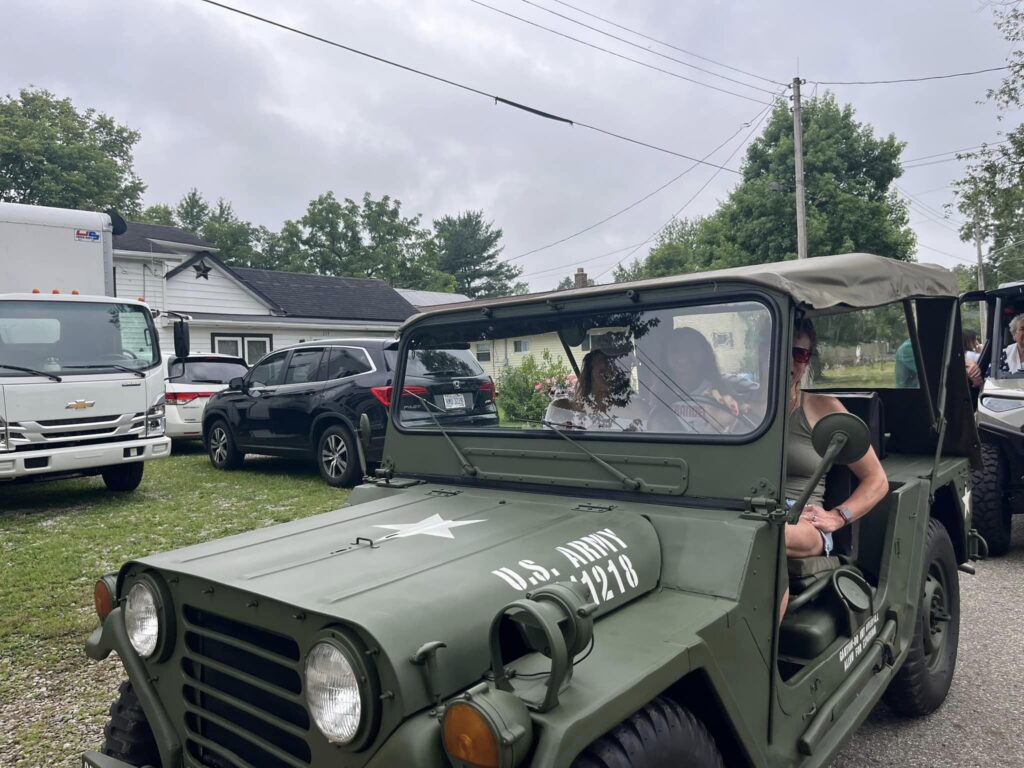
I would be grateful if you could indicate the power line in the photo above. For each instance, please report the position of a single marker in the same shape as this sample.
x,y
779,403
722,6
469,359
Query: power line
x,y
634,204
946,253
910,79
616,55
470,89
646,49
578,263
668,45
690,200
954,151
929,162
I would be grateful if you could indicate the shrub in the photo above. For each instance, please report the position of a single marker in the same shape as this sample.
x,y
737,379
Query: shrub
x,y
525,390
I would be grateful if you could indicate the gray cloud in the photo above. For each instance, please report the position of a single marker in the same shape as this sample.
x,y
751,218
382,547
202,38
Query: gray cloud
x,y
269,120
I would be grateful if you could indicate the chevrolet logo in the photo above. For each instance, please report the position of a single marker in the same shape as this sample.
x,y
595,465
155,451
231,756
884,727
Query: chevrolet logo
x,y
79,405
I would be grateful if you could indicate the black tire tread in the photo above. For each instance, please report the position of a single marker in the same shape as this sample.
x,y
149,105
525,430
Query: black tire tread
x,y
914,691
123,478
352,469
989,512
127,735
661,735
234,457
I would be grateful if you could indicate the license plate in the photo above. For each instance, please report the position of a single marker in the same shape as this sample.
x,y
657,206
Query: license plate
x,y
454,401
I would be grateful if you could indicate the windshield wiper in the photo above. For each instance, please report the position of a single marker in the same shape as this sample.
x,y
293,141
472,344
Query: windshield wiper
x,y
115,366
626,480
467,466
48,375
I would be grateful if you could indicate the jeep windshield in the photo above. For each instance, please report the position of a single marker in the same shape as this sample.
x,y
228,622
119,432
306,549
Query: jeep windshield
x,y
76,337
697,370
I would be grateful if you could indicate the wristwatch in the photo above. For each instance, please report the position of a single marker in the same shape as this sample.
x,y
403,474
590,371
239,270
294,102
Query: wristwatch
x,y
846,513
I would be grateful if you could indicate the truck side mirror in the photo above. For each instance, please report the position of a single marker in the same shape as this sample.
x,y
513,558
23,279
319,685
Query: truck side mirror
x,y
839,438
182,344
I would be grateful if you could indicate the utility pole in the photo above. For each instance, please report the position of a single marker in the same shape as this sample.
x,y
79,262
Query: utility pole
x,y
798,148
981,282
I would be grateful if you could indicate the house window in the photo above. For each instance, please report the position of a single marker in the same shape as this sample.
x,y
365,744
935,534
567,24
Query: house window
x,y
250,346
483,352
521,345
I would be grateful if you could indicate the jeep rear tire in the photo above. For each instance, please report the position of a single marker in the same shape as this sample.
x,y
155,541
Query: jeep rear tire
x,y
127,735
921,684
336,457
123,477
990,510
661,735
220,445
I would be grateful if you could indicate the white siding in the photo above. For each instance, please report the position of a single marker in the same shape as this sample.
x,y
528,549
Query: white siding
x,y
218,294
141,279
503,354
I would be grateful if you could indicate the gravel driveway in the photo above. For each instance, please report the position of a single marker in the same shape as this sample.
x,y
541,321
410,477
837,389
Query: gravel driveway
x,y
982,721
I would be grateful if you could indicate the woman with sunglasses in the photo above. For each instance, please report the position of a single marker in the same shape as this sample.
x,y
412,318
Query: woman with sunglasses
x,y
812,535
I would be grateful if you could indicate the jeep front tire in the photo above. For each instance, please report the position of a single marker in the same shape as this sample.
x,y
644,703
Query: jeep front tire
x,y
661,735
127,735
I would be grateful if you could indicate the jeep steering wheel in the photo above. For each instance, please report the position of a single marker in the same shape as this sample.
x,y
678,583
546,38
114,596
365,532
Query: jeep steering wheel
x,y
665,412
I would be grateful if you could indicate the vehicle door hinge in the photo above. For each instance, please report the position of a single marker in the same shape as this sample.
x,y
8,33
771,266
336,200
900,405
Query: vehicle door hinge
x,y
763,508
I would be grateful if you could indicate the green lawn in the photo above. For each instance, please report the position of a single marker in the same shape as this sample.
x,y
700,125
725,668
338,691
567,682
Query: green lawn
x,y
57,538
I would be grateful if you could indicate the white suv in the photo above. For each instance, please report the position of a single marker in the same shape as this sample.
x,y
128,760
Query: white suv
x,y
191,382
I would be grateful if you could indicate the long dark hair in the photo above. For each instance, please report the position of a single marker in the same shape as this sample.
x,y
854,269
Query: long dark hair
x,y
804,327
586,385
691,344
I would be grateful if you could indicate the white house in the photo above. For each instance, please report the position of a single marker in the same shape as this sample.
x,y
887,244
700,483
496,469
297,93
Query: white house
x,y
247,312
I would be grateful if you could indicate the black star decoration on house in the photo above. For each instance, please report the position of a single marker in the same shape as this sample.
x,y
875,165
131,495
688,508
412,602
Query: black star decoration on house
x,y
202,270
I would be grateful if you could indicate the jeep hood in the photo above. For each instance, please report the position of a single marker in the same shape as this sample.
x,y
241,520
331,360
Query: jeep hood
x,y
432,563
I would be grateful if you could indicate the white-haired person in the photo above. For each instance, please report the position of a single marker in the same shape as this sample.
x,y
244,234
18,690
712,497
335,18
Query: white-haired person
x,y
1012,358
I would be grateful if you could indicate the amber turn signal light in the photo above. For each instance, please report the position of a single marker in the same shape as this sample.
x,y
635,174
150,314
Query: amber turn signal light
x,y
468,736
103,595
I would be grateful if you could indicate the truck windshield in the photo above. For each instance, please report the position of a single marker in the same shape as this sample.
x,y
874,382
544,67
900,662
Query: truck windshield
x,y
696,370
63,337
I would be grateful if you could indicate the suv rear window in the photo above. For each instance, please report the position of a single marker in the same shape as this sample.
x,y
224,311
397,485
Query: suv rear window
x,y
438,362
206,371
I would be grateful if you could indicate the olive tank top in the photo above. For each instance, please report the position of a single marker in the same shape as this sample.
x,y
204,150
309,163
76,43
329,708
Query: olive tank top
x,y
801,458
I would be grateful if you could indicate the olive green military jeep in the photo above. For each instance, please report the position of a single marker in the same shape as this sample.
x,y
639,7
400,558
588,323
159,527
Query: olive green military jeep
x,y
594,582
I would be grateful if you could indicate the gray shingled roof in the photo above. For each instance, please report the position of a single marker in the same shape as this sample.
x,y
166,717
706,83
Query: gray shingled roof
x,y
341,298
138,236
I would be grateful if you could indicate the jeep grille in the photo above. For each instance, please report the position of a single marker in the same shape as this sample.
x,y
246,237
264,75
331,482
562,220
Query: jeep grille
x,y
243,695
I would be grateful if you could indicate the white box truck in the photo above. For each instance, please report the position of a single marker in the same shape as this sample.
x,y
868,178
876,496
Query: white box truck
x,y
81,379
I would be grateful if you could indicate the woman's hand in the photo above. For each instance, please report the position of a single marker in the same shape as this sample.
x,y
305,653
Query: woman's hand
x,y
827,520
727,401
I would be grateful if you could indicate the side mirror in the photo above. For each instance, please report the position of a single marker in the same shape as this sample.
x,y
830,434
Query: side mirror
x,y
182,344
839,438
237,384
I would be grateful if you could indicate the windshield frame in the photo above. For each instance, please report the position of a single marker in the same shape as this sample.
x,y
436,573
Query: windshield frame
x,y
102,369
611,304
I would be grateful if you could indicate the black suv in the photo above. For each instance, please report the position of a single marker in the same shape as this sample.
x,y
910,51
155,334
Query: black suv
x,y
307,400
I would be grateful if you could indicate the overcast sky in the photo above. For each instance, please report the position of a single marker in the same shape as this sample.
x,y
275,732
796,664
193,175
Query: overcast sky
x,y
269,120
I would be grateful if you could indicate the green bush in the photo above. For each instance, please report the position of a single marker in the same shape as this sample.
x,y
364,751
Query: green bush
x,y
525,390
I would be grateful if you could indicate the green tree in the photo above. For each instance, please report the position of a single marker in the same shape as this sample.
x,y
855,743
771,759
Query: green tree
x,y
851,205
371,239
159,214
569,281
468,249
521,388
991,194
192,211
53,154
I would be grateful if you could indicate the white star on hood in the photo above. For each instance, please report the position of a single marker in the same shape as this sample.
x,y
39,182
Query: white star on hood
x,y
434,525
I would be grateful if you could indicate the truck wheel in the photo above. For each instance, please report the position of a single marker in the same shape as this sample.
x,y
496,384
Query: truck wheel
x,y
921,684
221,446
336,457
127,735
661,735
990,511
124,477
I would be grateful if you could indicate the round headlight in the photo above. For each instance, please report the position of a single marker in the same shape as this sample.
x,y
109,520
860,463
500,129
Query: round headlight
x,y
332,690
141,619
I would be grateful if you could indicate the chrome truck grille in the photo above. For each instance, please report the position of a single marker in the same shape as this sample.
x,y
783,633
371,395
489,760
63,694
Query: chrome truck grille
x,y
243,695
59,433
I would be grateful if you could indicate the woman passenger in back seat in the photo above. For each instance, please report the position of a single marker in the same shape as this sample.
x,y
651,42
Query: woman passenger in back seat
x,y
812,535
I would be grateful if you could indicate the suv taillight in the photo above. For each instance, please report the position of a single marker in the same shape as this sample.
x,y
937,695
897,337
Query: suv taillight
x,y
487,388
383,394
180,398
